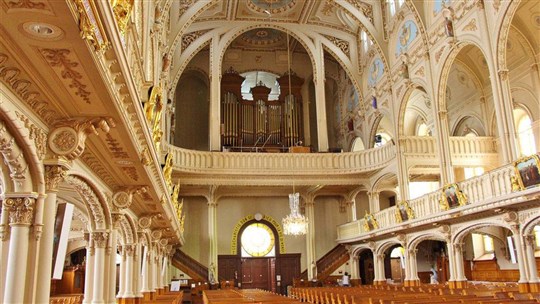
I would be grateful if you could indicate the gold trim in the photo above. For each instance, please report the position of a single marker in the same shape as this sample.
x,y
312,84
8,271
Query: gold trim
x,y
459,199
236,230
533,177
404,207
370,222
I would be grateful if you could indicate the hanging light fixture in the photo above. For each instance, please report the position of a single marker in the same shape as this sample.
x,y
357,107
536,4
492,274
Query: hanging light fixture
x,y
294,223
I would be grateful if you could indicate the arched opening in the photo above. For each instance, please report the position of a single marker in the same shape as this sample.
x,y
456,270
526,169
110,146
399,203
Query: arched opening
x,y
524,129
394,264
367,269
384,132
357,145
432,262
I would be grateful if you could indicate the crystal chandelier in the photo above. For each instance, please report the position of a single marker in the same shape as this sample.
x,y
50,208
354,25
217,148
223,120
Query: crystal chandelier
x,y
295,223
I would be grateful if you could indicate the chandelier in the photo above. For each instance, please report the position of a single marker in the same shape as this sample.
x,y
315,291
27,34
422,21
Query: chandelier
x,y
295,223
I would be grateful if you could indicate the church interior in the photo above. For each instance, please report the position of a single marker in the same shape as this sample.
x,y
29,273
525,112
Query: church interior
x,y
269,151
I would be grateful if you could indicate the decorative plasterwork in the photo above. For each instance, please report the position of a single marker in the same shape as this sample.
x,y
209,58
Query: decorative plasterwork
x,y
126,228
12,155
91,161
54,175
36,134
115,147
131,172
21,210
365,8
273,6
188,38
342,44
471,26
27,4
100,239
13,77
66,68
90,198
90,28
184,5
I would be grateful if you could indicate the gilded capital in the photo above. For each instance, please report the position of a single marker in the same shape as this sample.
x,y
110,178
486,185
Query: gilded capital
x,y
54,175
100,239
21,210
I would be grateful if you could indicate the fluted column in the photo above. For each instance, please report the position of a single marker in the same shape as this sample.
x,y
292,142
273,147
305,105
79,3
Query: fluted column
x,y
122,283
311,256
213,238
378,267
374,205
320,101
522,264
530,247
152,270
353,260
129,253
138,275
89,270
461,279
412,266
443,145
21,214
145,286
111,260
54,174
215,95
100,240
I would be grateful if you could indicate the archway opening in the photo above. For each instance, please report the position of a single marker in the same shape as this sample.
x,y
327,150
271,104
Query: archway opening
x,y
432,262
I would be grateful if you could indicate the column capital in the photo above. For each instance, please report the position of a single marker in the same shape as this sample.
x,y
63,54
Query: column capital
x,y
21,209
458,247
100,238
54,175
129,249
529,240
503,74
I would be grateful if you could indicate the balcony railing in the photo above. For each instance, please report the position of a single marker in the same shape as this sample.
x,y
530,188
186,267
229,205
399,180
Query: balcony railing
x,y
458,145
253,163
485,191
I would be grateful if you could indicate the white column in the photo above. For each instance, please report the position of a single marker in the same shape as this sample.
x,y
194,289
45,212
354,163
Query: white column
x,y
122,285
523,276
89,270
53,176
320,100
353,260
443,145
100,240
310,239
530,246
128,271
153,266
451,261
111,259
21,213
215,95
138,276
402,173
213,236
378,267
4,247
145,286
458,260
412,265
159,272
374,205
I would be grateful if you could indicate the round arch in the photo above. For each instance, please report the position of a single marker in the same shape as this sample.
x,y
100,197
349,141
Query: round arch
x,y
458,236
528,226
383,247
250,219
94,201
434,236
404,101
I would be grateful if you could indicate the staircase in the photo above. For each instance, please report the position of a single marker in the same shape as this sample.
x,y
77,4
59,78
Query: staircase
x,y
329,262
189,266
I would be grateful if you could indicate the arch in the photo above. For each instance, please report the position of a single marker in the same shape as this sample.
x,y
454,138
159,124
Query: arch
x,y
528,226
357,144
387,245
250,219
463,119
128,234
94,201
20,156
435,236
458,236
403,106
358,250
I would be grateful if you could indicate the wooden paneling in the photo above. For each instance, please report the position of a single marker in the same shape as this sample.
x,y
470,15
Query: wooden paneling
x,y
288,267
490,271
228,267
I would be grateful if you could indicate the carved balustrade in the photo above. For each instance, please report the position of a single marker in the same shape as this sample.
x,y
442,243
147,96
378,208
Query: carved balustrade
x,y
480,192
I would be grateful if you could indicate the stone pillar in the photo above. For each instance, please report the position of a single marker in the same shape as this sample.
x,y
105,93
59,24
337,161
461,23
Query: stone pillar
x,y
145,278
129,253
530,247
461,280
320,101
374,205
351,210
122,283
412,266
311,256
522,263
100,240
402,173
378,267
353,260
215,95
111,261
54,174
137,275
21,214
504,112
451,264
152,270
443,145
213,238
89,270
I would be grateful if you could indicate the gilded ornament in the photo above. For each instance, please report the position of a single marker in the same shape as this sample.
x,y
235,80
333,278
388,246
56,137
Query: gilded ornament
x,y
54,175
122,11
167,170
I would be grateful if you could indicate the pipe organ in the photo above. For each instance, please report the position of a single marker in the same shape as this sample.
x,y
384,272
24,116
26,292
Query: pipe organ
x,y
251,125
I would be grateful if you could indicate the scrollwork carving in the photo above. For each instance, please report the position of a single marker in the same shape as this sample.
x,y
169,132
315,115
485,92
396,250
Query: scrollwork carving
x,y
100,239
54,175
21,210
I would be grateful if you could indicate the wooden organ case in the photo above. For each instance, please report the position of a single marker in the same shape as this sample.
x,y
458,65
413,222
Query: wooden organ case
x,y
261,124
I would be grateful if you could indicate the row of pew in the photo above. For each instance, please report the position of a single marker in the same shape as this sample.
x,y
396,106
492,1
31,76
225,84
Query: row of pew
x,y
396,294
233,296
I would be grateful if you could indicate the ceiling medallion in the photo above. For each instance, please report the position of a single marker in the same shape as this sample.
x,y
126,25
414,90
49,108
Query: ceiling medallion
x,y
271,6
263,36
42,30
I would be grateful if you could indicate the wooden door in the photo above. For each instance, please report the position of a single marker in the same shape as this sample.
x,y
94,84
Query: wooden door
x,y
256,273
443,273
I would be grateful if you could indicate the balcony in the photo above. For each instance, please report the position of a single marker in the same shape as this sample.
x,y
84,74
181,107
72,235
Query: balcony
x,y
486,192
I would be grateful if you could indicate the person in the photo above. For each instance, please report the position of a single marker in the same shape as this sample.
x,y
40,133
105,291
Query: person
x,y
345,280
433,276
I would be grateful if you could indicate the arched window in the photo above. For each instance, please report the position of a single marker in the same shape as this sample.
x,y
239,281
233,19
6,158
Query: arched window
x,y
524,132
258,240
422,130
357,145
